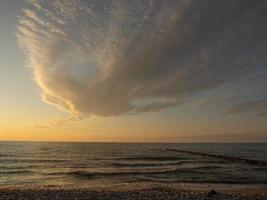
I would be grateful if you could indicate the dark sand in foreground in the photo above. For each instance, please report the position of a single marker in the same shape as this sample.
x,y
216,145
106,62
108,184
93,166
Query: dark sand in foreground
x,y
156,193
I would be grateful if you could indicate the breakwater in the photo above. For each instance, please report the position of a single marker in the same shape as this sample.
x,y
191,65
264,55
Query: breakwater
x,y
225,157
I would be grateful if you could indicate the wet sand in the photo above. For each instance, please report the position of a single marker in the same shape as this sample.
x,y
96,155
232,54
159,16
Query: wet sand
x,y
157,193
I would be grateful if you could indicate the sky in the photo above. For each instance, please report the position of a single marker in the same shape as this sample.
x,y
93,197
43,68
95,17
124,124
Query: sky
x,y
133,71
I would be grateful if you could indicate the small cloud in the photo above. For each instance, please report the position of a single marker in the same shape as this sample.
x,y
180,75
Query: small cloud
x,y
155,106
57,122
257,106
214,100
39,126
64,121
261,114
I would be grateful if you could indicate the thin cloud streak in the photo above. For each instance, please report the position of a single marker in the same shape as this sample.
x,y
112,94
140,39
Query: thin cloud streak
x,y
100,57
258,106
215,100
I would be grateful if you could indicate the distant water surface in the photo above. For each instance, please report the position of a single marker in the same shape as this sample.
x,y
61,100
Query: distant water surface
x,y
57,164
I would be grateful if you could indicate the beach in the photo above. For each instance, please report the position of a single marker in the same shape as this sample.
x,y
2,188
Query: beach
x,y
157,193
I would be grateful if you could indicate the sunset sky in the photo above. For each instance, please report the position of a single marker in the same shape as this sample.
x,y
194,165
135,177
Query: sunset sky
x,y
133,71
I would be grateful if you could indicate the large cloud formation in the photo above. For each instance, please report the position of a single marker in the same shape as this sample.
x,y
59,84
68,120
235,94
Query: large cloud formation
x,y
111,58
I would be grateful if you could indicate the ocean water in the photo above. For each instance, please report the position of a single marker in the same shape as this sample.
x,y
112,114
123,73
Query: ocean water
x,y
105,164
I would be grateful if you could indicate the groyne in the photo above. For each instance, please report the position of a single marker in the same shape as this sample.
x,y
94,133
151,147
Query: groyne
x,y
225,157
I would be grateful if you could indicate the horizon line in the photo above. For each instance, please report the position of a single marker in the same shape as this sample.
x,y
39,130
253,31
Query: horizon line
x,y
62,141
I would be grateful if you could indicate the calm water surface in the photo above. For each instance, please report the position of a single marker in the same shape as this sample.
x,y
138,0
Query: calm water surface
x,y
56,164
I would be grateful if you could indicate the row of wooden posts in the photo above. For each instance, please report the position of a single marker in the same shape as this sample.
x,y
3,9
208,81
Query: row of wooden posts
x,y
225,157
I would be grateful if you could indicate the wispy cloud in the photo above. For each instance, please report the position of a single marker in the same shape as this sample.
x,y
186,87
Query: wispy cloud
x,y
257,106
214,100
261,114
39,126
100,57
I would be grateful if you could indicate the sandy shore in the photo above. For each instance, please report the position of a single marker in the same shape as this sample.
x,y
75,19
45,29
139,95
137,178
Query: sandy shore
x,y
156,193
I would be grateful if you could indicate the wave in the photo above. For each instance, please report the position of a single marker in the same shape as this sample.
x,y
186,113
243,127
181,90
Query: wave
x,y
207,167
13,167
86,174
187,176
17,172
260,169
159,158
15,160
203,181
147,164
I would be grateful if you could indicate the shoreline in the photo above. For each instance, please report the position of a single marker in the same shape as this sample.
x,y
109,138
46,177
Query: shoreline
x,y
141,185
157,193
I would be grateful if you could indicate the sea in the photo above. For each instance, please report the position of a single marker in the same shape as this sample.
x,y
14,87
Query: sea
x,y
116,164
